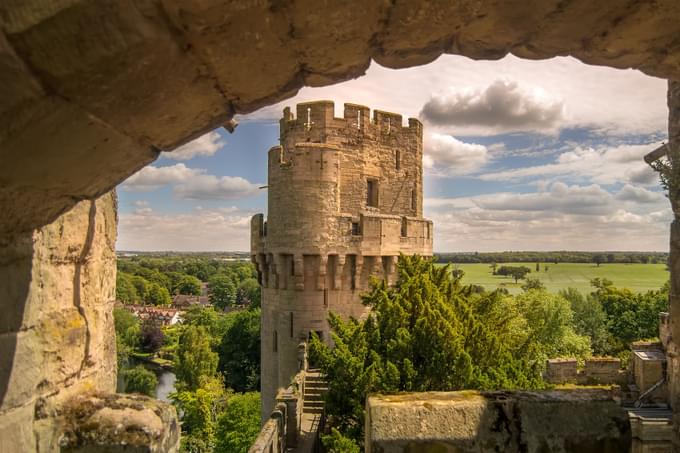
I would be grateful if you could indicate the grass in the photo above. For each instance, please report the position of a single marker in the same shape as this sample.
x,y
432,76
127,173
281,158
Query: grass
x,y
637,277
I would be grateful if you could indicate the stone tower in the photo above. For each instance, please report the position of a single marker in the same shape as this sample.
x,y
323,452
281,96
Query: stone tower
x,y
345,198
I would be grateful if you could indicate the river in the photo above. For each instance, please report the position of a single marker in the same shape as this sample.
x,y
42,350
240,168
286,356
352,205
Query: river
x,y
166,379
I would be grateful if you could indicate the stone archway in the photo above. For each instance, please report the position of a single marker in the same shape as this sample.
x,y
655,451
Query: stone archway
x,y
93,90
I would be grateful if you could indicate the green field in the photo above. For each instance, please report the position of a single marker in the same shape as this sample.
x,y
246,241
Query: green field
x,y
637,277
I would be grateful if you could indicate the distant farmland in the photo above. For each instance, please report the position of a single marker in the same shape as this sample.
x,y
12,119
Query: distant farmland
x,y
637,277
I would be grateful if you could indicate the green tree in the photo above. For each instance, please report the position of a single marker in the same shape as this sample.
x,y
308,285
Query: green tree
x,y
141,286
248,293
599,259
158,295
140,380
200,409
549,324
195,357
533,283
421,335
222,291
189,285
127,333
125,289
240,351
239,425
336,442
589,319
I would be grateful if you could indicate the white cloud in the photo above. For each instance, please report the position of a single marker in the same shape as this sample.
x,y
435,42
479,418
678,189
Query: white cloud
x,y
638,195
210,187
200,230
607,165
451,156
616,101
504,105
205,145
152,178
191,183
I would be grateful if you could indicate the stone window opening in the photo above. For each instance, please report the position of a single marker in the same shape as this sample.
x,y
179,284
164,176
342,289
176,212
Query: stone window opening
x,y
353,272
404,227
325,297
291,324
356,229
292,265
275,346
264,229
372,193
397,160
414,199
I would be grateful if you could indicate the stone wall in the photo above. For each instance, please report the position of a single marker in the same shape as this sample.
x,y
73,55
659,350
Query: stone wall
x,y
596,371
57,339
584,421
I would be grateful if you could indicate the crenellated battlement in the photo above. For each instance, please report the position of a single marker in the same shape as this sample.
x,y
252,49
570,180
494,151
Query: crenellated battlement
x,y
314,121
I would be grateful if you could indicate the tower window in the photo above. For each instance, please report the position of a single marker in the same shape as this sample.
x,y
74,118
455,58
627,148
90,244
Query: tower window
x,y
292,265
264,229
397,160
356,229
276,341
291,324
372,192
404,227
325,297
413,199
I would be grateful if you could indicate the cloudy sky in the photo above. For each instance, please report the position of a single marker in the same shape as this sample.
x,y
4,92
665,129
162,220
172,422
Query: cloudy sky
x,y
519,155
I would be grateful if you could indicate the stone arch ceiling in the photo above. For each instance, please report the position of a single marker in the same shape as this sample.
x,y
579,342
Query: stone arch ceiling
x,y
91,90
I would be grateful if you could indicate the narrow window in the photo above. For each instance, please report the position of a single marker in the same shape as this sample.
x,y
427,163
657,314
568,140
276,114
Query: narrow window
x,y
356,229
264,229
292,265
291,324
404,227
413,199
276,341
353,271
372,192
397,160
325,297
428,230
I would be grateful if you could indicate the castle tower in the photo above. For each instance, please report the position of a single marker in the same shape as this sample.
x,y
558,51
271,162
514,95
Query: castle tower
x,y
345,197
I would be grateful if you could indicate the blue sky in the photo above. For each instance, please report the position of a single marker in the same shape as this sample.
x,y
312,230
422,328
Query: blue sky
x,y
519,155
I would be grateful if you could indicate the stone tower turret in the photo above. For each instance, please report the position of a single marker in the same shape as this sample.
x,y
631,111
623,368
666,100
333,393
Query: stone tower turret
x,y
345,198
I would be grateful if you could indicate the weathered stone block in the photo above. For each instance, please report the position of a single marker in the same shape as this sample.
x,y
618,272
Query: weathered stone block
x,y
119,423
467,421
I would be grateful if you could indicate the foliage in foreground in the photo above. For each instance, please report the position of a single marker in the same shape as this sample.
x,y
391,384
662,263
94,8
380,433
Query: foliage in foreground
x,y
239,425
427,333
140,380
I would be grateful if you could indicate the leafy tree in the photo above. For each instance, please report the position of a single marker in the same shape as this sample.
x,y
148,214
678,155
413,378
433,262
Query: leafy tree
x,y
158,295
538,267
588,319
125,289
533,283
151,336
222,291
189,285
140,380
493,266
200,409
336,442
549,323
421,335
141,286
240,351
195,357
248,293
516,272
599,259
239,425
127,333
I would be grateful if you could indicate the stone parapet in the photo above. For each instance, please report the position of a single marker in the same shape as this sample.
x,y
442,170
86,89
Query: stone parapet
x,y
468,421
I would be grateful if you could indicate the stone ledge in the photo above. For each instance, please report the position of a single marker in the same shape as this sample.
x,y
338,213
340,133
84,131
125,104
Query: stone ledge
x,y
116,422
468,421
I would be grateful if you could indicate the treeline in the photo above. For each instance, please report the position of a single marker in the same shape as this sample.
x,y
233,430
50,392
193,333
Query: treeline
x,y
216,358
432,333
154,280
554,257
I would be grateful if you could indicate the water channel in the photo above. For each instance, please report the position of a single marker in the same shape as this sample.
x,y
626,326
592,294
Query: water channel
x,y
166,378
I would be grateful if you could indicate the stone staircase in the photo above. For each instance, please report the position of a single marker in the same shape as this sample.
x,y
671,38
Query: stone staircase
x,y
315,389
